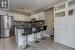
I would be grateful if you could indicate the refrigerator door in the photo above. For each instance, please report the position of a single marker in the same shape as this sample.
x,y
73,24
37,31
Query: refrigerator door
x,y
6,26
5,22
9,25
2,25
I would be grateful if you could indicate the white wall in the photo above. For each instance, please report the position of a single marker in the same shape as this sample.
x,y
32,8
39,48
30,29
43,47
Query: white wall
x,y
16,16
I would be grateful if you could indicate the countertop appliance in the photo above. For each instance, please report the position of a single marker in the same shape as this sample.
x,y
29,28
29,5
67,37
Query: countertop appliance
x,y
5,26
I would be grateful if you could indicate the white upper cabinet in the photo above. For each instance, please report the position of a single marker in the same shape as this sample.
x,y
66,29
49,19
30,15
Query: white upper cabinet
x,y
71,7
27,18
71,4
66,8
60,9
39,16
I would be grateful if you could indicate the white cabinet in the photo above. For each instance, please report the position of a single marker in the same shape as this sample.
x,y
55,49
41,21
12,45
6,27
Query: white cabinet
x,y
60,24
64,23
71,7
71,38
60,6
19,37
60,21
26,18
71,31
64,30
39,16
60,9
64,9
59,36
60,29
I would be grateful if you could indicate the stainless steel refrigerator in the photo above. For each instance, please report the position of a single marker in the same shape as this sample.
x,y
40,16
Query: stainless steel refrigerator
x,y
5,26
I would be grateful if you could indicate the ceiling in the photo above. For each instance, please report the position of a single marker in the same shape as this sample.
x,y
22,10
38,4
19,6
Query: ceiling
x,y
28,6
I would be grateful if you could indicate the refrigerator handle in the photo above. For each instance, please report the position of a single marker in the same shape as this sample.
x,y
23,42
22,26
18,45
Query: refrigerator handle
x,y
7,25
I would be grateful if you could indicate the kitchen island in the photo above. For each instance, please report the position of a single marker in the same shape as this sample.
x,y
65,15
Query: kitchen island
x,y
19,30
20,38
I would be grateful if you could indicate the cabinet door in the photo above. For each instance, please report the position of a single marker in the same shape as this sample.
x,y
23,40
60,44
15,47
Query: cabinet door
x,y
41,17
71,38
60,7
20,38
60,24
70,20
60,36
60,30
70,28
27,18
60,21
31,38
71,31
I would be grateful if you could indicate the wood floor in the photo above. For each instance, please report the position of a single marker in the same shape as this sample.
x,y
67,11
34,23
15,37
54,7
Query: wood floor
x,y
47,44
